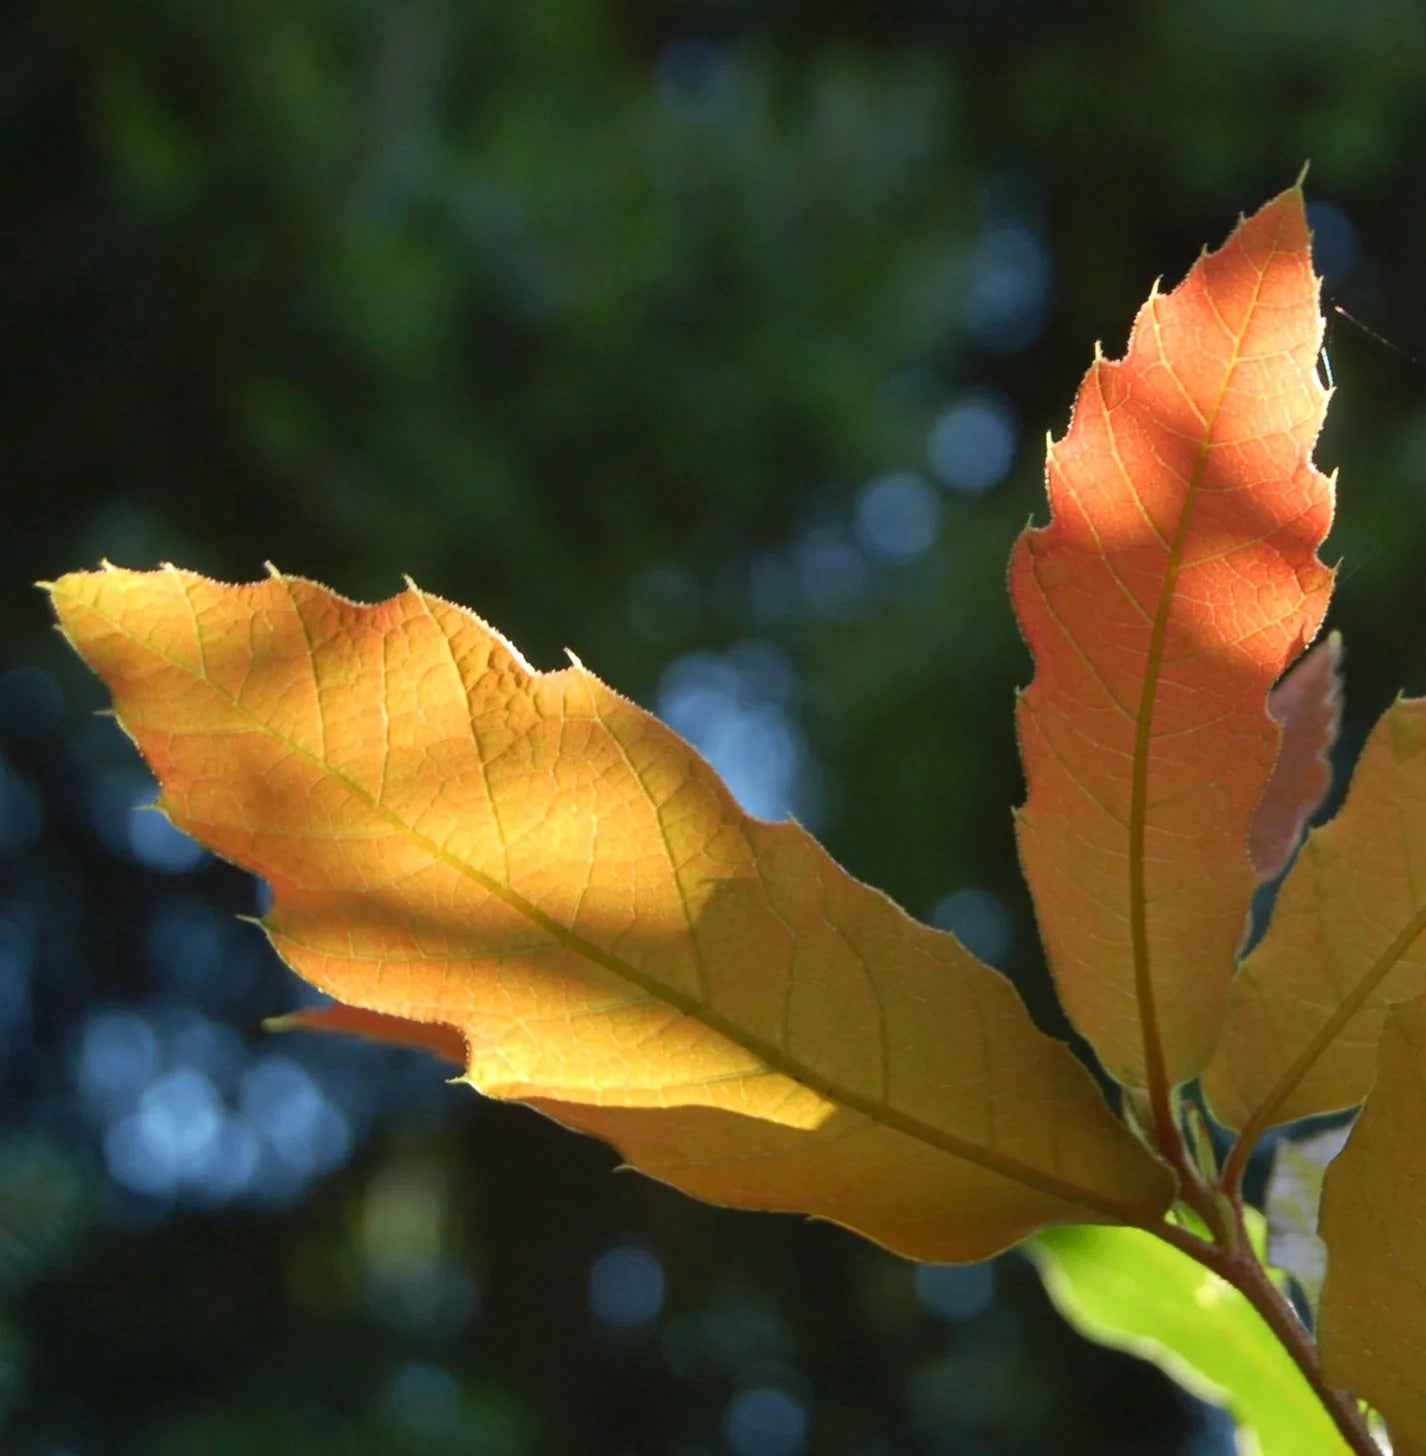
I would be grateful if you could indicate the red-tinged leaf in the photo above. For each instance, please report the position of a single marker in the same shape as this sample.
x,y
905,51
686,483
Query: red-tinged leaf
x,y
444,1042
453,837
1176,581
1372,1324
1344,943
1308,704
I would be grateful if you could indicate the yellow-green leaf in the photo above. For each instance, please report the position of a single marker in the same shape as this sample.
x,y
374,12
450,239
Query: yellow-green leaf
x,y
1372,1328
452,837
1128,1289
1344,943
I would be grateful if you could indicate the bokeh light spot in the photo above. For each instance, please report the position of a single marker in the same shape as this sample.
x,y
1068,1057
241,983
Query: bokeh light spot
x,y
956,1292
695,78
834,575
626,1287
1334,243
166,1139
157,845
282,1100
972,445
765,1420
118,1057
733,710
898,517
979,921
1008,292
424,1401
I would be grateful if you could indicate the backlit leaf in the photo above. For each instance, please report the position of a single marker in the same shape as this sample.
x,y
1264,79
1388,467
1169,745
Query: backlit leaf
x,y
1372,1330
1176,581
1308,704
452,837
1292,1200
1345,941
444,1042
1128,1289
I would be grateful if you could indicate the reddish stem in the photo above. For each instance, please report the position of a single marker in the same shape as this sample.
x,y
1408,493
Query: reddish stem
x,y
1230,1255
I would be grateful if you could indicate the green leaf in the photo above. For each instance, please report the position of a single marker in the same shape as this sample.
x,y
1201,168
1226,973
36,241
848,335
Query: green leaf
x,y
1127,1289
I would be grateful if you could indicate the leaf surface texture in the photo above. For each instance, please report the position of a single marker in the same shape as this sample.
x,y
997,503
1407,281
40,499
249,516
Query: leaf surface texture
x,y
452,837
1129,1290
1372,1328
1176,581
1344,943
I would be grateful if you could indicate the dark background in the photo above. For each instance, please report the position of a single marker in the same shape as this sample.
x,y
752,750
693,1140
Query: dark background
x,y
717,342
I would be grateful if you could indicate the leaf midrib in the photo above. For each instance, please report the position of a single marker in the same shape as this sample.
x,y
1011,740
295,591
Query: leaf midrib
x,y
1150,1029
773,1057
1346,1009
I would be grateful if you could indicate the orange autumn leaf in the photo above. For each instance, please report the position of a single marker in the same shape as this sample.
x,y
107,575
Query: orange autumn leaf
x,y
1372,1322
1344,943
1177,579
452,837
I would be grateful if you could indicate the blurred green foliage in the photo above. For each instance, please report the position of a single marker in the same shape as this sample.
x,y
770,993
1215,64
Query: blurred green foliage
x,y
600,318
42,1206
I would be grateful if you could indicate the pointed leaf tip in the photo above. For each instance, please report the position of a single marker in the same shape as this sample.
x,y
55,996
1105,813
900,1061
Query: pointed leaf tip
x,y
444,1042
1177,579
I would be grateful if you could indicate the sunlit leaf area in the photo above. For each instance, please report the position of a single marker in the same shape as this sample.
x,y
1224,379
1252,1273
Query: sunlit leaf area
x,y
715,345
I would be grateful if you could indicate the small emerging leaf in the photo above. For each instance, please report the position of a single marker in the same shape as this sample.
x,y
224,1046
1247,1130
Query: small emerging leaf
x,y
1372,1329
1177,579
1130,1290
1344,943
1308,704
452,837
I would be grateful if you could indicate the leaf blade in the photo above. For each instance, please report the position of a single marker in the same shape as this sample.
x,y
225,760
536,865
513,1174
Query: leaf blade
x,y
452,837
1345,941
1130,1290
1176,580
1373,1309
